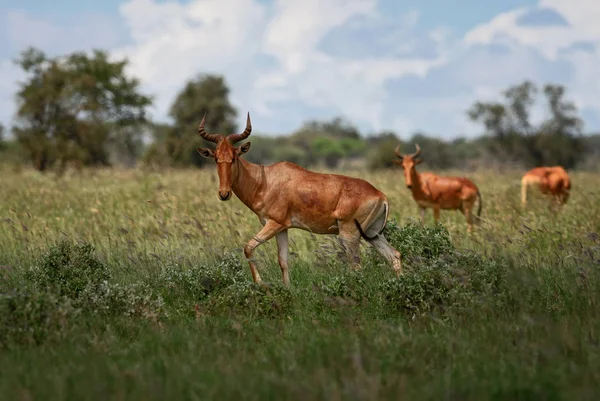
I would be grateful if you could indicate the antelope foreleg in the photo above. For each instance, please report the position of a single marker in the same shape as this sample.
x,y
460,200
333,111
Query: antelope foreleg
x,y
270,229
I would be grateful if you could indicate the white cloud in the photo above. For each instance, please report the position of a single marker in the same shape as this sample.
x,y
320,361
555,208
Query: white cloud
x,y
173,42
297,27
289,61
22,30
269,55
10,74
553,43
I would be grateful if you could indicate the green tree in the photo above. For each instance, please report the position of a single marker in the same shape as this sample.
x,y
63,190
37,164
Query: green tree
x,y
206,94
555,141
508,123
155,153
380,150
328,149
436,152
76,108
264,149
327,141
559,138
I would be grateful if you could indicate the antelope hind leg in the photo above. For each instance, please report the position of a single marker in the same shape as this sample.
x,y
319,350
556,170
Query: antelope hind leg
x,y
389,252
350,238
282,255
467,210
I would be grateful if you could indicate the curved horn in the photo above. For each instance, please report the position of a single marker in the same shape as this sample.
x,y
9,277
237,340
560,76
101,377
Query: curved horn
x,y
397,151
233,138
209,137
418,152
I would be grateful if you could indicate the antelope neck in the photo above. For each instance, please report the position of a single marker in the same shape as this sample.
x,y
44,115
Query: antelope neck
x,y
248,182
416,181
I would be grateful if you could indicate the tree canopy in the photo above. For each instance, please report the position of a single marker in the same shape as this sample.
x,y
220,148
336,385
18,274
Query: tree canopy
x,y
83,109
76,108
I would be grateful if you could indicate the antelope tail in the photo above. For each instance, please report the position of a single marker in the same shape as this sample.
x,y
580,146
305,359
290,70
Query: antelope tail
x,y
480,203
362,233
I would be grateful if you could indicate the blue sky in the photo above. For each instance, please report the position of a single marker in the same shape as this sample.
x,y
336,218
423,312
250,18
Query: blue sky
x,y
394,65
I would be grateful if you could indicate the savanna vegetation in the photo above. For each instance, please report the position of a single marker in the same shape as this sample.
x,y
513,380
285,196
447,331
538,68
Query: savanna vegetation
x,y
82,109
122,275
131,284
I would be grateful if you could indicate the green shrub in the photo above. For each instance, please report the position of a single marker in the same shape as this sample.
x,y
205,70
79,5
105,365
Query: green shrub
x,y
194,284
131,300
69,269
416,242
452,282
72,271
31,318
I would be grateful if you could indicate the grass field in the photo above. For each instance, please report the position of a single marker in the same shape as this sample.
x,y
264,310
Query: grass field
x,y
161,305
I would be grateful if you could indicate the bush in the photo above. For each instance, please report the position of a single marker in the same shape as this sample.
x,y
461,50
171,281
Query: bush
x,y
131,300
72,271
69,269
31,318
416,244
179,285
451,282
440,277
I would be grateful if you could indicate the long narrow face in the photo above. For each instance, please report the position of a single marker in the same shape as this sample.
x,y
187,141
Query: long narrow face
x,y
226,155
408,163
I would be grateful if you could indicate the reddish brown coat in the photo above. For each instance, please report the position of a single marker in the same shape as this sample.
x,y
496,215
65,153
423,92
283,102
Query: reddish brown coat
x,y
285,195
553,181
430,190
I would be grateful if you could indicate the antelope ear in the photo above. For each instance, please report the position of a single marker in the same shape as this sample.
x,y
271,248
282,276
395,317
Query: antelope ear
x,y
244,148
398,162
205,152
418,161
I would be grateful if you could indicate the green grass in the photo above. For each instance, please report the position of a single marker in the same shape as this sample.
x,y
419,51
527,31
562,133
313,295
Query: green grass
x,y
132,285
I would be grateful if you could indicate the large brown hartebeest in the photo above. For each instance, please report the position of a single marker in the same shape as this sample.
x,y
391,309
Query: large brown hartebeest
x,y
553,181
285,195
438,192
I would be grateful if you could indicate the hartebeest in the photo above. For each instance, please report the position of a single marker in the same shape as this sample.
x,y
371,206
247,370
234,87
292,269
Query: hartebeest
x,y
553,181
438,192
285,195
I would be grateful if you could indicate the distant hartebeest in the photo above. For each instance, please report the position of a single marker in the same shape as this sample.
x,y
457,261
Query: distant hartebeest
x,y
438,192
284,195
553,181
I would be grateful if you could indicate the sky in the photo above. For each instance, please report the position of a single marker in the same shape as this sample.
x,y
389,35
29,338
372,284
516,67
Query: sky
x,y
400,65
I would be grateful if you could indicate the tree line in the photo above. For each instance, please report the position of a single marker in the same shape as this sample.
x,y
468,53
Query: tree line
x,y
82,109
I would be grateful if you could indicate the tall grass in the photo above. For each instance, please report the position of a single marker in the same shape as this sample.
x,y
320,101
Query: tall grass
x,y
132,285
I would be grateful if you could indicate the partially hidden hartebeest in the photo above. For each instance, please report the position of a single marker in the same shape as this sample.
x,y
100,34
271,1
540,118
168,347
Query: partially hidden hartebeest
x,y
285,195
438,192
553,181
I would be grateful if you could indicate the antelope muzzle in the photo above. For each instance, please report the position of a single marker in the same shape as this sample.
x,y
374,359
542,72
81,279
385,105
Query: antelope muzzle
x,y
224,195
